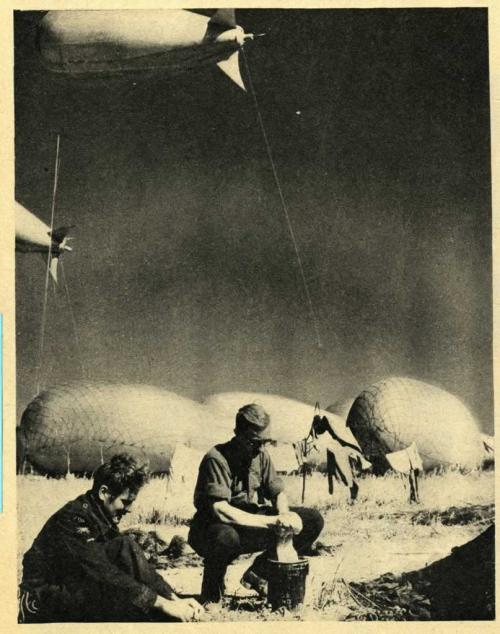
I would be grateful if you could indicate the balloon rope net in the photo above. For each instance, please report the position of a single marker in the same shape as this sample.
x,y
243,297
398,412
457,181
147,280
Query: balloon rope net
x,y
283,203
47,271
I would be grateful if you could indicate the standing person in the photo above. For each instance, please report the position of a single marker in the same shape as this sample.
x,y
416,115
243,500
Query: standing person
x,y
234,480
80,568
343,459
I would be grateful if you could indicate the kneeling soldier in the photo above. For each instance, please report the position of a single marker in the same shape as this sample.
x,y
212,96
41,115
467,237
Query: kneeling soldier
x,y
228,522
80,568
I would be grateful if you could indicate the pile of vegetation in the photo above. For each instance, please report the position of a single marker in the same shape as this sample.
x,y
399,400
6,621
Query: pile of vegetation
x,y
457,515
387,598
162,554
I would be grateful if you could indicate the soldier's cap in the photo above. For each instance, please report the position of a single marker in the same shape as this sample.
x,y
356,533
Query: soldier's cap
x,y
254,421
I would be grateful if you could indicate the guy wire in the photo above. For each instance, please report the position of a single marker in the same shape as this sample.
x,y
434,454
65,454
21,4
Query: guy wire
x,y
49,256
283,203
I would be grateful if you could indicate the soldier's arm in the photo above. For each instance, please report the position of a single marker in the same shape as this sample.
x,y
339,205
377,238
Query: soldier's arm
x,y
281,502
229,514
272,485
274,488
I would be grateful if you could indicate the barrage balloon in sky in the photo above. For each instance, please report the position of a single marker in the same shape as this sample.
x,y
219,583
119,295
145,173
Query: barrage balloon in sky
x,y
97,43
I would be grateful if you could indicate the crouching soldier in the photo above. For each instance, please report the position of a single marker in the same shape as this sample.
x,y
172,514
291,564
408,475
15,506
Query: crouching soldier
x,y
80,568
229,521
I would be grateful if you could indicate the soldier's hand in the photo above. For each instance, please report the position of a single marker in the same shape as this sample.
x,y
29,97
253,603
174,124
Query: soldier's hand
x,y
183,609
289,522
197,608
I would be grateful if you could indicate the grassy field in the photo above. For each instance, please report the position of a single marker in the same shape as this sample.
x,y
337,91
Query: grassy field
x,y
382,532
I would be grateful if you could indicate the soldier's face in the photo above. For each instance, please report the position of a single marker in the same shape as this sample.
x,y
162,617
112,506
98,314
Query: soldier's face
x,y
117,506
251,446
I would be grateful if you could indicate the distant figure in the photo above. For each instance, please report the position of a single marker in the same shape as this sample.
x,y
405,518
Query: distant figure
x,y
342,457
234,480
80,568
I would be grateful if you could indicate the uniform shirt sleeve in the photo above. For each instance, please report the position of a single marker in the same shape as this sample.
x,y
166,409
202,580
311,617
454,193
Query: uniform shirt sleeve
x,y
214,482
272,485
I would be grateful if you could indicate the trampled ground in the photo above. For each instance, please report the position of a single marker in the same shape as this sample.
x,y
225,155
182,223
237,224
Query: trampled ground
x,y
382,532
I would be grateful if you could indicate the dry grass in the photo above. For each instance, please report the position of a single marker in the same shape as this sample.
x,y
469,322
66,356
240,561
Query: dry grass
x,y
381,532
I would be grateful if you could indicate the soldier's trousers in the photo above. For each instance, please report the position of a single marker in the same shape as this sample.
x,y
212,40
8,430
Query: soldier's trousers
x,y
125,553
221,543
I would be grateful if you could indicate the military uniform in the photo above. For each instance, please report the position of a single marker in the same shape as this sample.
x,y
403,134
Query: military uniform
x,y
246,483
80,568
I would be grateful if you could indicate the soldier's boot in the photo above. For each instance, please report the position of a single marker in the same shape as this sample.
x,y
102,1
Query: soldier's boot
x,y
213,586
252,581
255,578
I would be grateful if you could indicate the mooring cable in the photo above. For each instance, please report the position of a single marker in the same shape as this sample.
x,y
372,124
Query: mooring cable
x,y
283,202
47,271
73,321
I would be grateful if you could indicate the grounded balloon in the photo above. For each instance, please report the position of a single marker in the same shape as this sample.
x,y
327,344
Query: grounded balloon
x,y
97,43
34,236
75,427
394,413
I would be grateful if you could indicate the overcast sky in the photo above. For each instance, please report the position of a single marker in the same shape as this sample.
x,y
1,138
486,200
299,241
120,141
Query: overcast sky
x,y
183,273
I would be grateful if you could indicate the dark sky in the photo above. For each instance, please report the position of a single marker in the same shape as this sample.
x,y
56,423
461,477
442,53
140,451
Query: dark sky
x,y
184,274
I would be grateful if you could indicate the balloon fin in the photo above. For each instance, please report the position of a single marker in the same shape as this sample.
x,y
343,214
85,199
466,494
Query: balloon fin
x,y
231,67
224,17
61,238
53,268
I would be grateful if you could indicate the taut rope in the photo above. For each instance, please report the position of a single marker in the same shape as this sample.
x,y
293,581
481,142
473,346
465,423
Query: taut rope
x,y
283,204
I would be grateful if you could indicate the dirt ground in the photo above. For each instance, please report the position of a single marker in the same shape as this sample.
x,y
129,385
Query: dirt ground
x,y
381,533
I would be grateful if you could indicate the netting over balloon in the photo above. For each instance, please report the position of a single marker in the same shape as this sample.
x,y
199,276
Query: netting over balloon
x,y
76,426
391,414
